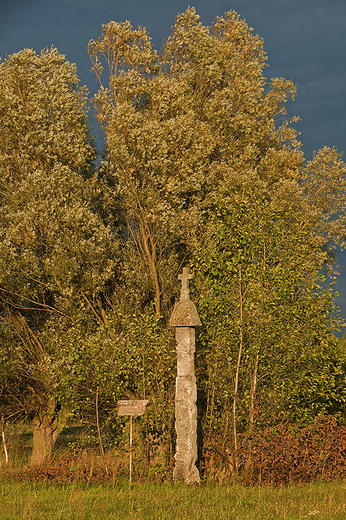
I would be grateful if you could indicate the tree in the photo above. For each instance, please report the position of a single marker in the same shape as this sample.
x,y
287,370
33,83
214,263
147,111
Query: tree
x,y
267,353
179,125
43,115
130,358
206,168
202,167
58,254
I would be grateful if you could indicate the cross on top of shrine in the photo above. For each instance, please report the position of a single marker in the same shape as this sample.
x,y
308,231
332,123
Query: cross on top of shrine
x,y
185,277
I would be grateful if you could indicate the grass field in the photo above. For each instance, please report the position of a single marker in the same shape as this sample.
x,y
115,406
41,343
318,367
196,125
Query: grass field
x,y
35,501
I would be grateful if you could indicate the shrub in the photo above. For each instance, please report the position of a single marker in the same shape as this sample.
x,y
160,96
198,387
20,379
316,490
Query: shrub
x,y
281,455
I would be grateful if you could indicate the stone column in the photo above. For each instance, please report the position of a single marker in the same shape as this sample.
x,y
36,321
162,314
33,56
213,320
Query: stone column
x,y
185,318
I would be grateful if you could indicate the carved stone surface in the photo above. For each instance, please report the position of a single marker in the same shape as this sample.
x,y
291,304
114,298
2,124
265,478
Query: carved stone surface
x,y
184,313
185,318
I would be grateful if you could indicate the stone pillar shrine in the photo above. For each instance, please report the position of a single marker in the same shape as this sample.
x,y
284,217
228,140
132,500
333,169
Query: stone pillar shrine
x,y
185,318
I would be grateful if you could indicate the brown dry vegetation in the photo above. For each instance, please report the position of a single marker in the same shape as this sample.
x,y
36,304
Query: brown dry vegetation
x,y
280,456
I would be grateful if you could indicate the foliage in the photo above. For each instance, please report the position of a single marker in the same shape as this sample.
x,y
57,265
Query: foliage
x,y
57,253
284,454
130,358
266,312
74,466
43,115
179,125
205,168
202,167
289,454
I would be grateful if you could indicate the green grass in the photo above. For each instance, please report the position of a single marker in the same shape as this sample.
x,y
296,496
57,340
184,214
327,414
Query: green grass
x,y
35,501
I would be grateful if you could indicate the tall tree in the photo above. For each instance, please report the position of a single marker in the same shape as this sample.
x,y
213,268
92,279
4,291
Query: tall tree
x,y
202,166
179,125
267,351
205,167
57,253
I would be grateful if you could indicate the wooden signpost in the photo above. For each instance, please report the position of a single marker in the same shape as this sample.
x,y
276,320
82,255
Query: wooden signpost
x,y
131,408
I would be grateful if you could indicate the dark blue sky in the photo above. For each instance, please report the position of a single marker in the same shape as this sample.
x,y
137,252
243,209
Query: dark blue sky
x,y
305,41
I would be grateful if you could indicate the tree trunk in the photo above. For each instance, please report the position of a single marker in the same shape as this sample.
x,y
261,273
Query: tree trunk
x,y
45,429
151,257
254,380
237,375
4,444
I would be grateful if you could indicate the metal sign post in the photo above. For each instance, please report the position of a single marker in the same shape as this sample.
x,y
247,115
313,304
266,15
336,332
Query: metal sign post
x,y
131,408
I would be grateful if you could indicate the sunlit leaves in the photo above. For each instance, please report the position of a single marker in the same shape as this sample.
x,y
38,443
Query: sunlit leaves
x,y
57,253
42,113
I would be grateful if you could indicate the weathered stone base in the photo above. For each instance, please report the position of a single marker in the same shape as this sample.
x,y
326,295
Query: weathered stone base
x,y
188,475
